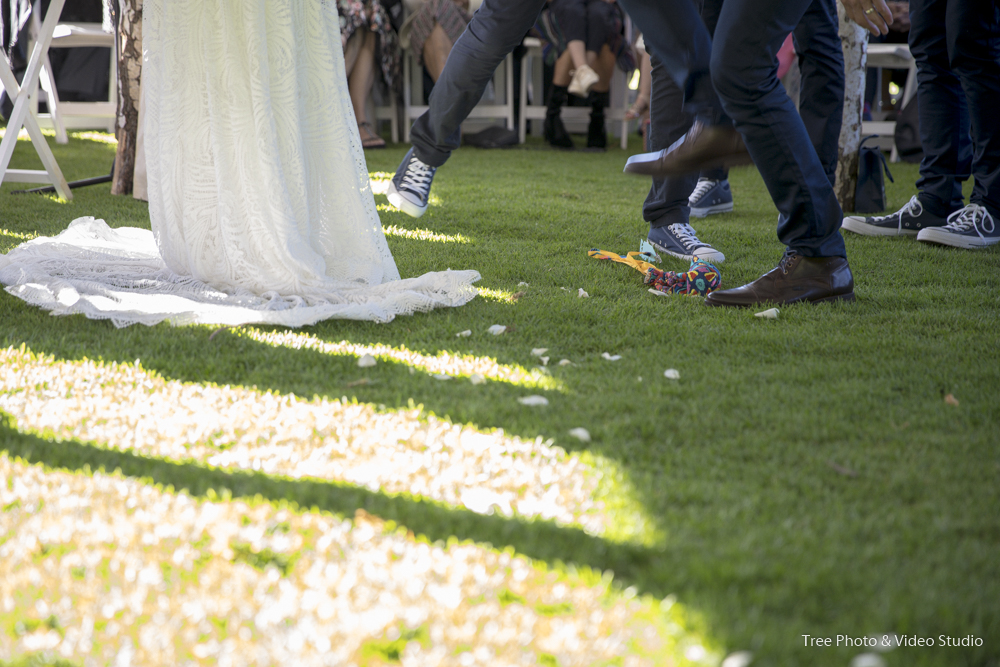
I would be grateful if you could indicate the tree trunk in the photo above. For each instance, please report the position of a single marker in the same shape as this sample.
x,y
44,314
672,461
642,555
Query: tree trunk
x,y
854,40
129,74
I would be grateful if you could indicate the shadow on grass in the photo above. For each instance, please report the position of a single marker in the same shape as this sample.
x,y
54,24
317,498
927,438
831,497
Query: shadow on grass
x,y
541,540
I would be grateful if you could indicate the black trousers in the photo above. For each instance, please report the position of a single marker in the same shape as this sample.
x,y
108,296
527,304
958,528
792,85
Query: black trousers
x,y
817,45
956,44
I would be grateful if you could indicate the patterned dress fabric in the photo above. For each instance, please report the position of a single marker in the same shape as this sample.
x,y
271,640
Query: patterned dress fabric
x,y
259,198
371,14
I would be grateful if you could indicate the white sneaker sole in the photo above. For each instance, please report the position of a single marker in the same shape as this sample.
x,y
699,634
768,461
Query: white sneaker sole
x,y
941,237
858,225
710,255
397,199
712,210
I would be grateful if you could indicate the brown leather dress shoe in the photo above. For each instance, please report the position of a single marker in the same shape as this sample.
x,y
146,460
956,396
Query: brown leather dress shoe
x,y
703,146
796,278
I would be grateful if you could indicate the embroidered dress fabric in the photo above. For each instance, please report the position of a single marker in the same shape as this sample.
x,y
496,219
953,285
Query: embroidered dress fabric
x,y
259,199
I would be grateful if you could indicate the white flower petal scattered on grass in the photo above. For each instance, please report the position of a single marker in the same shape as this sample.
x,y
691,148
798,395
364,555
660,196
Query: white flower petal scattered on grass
x,y
441,376
106,569
366,361
565,362
769,314
672,374
476,378
581,434
582,294
738,659
544,360
497,329
523,284
123,407
539,351
533,400
464,334
611,357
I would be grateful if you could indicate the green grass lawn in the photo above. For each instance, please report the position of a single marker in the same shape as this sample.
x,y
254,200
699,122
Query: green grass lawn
x,y
805,476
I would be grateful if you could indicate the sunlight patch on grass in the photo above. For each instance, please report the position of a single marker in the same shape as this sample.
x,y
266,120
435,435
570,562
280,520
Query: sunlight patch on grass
x,y
124,407
503,296
23,134
17,235
380,181
98,565
455,365
424,235
100,137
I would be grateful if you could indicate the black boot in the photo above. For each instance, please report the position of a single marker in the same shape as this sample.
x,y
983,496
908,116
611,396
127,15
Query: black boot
x,y
555,131
597,136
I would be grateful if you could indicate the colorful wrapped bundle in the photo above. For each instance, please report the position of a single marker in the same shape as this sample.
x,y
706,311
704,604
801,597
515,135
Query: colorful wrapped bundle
x,y
700,279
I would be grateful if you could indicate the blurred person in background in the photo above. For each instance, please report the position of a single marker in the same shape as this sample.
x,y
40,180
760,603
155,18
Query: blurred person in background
x,y
367,35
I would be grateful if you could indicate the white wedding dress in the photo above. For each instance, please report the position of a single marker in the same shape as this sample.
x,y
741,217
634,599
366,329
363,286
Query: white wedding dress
x,y
259,198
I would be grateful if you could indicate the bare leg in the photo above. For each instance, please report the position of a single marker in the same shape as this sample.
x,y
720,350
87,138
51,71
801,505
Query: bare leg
x,y
437,46
563,66
578,52
604,64
359,83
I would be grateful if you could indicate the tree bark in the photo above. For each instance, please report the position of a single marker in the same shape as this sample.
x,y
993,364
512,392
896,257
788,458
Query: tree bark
x,y
854,40
129,75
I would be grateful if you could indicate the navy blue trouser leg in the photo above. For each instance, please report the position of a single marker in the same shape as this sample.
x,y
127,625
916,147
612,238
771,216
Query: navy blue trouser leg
x,y
667,201
495,30
956,44
744,70
821,97
974,45
943,111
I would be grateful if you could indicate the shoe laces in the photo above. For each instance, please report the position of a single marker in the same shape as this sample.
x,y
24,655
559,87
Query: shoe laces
x,y
686,235
913,209
972,217
787,261
417,177
700,190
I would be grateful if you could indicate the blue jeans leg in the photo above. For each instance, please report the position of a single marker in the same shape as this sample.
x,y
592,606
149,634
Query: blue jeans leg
x,y
667,201
496,29
943,111
821,62
744,71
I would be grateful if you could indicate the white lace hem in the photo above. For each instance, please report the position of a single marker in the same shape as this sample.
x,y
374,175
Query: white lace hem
x,y
119,275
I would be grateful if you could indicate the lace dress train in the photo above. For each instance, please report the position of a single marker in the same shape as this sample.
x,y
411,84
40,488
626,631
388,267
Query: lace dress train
x,y
259,198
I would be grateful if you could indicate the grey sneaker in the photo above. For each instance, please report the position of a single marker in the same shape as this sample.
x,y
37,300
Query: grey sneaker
x,y
410,188
711,197
969,227
679,240
907,221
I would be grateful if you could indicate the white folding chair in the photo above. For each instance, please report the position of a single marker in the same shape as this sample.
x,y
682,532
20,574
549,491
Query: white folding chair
x,y
413,89
21,116
76,115
890,56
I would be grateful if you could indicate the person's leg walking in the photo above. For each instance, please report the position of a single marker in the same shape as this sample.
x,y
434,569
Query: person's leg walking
x,y
817,43
495,30
744,71
666,206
